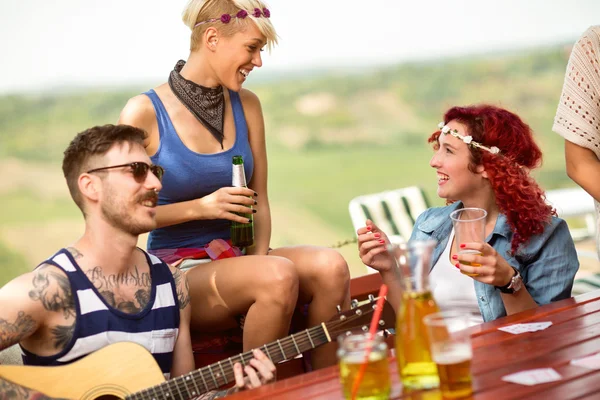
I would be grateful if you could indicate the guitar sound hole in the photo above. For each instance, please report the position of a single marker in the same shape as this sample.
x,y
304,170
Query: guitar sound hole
x,y
108,397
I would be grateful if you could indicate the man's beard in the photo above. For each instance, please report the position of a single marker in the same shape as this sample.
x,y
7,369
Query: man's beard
x,y
117,215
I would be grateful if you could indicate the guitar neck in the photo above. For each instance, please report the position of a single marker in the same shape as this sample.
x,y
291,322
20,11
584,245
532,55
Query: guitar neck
x,y
216,375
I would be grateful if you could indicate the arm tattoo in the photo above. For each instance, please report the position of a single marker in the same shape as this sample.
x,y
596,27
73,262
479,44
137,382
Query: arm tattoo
x,y
183,294
59,299
11,333
214,395
12,391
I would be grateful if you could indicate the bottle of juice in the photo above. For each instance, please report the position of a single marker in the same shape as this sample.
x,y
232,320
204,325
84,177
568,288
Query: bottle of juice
x,y
415,365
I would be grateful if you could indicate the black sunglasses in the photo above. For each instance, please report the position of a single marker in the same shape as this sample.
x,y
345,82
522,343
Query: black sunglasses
x,y
139,169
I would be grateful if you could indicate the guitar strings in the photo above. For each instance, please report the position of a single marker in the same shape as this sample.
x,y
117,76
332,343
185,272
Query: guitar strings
x,y
208,376
208,383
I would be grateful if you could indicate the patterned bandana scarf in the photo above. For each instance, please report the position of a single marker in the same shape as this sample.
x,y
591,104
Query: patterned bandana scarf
x,y
207,104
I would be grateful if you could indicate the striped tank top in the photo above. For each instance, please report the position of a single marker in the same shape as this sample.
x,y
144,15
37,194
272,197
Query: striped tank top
x,y
98,325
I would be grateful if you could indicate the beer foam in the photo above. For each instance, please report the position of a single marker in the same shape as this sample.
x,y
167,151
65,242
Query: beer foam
x,y
454,355
359,358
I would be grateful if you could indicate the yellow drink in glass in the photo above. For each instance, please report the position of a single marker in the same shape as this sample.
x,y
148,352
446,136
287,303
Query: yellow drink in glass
x,y
415,365
451,350
455,374
375,384
469,263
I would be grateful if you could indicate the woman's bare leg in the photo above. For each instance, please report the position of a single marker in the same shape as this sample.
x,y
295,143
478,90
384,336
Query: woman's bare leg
x,y
265,288
324,283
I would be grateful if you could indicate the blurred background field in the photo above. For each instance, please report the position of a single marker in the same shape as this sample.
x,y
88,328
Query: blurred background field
x,y
331,135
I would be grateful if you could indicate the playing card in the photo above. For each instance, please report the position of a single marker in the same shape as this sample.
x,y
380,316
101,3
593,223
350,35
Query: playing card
x,y
590,362
514,329
533,376
522,328
537,326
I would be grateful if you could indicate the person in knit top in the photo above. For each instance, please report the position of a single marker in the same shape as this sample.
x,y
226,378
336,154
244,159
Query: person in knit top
x,y
578,116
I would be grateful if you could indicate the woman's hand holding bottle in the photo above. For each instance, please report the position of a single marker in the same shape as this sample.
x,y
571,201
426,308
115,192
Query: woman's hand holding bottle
x,y
225,203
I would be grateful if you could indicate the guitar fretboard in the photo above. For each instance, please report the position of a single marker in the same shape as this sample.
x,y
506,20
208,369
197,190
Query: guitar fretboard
x,y
216,375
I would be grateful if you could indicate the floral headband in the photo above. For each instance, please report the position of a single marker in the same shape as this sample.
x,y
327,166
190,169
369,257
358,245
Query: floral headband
x,y
467,139
225,18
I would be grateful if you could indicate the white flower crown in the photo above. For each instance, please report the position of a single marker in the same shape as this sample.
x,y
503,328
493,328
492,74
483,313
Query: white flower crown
x,y
467,139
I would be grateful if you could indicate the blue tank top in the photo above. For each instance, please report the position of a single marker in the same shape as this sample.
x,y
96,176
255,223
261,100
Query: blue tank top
x,y
97,324
190,175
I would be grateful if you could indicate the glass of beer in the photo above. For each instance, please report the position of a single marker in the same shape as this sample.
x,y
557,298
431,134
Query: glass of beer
x,y
469,226
375,384
450,343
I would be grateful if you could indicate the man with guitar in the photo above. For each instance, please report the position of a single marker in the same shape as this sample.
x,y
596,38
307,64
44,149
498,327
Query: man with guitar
x,y
103,289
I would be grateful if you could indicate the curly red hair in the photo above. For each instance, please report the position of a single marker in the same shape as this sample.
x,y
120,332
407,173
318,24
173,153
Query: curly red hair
x,y
518,195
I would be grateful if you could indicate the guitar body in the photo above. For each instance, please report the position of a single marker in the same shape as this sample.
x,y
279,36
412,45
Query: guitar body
x,y
127,368
112,372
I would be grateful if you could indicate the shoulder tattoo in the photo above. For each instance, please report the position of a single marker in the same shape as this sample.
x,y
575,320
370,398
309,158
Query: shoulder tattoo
x,y
53,290
75,253
183,288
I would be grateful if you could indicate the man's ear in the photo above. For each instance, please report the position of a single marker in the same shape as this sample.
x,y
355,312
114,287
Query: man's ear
x,y
90,186
211,38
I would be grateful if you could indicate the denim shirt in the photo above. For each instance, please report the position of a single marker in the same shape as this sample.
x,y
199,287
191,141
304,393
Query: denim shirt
x,y
547,262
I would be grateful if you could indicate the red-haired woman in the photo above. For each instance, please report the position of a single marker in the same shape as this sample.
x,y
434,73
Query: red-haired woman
x,y
483,155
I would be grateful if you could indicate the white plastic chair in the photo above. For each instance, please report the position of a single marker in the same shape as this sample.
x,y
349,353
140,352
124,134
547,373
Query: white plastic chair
x,y
393,211
575,203
571,204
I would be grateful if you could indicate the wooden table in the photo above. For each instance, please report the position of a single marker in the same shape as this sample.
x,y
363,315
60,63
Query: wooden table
x,y
575,332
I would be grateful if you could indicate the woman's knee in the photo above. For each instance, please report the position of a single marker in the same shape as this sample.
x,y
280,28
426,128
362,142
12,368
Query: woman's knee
x,y
332,270
278,282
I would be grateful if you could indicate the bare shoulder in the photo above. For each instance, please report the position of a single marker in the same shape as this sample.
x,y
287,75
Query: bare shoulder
x,y
138,112
254,115
46,277
250,100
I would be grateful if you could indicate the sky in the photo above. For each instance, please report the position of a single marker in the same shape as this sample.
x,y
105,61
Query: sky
x,y
48,45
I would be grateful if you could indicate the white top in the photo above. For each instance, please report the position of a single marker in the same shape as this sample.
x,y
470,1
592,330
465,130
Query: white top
x,y
451,289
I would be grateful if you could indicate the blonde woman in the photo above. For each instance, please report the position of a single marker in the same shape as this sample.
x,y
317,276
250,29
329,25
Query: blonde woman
x,y
196,122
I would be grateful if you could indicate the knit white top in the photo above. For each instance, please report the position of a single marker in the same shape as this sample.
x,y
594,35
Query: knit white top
x,y
578,115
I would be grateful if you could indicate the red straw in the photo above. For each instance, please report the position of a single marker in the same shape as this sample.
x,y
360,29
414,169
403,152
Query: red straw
x,y
372,330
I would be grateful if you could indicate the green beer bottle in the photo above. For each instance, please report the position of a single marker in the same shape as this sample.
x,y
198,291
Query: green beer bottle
x,y
242,235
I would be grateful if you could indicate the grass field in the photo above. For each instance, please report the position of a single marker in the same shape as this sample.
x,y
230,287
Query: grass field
x,y
330,138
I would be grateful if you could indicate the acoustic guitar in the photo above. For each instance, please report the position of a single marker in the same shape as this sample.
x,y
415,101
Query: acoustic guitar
x,y
126,370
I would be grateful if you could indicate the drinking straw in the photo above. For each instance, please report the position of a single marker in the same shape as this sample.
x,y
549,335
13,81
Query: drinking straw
x,y
372,330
